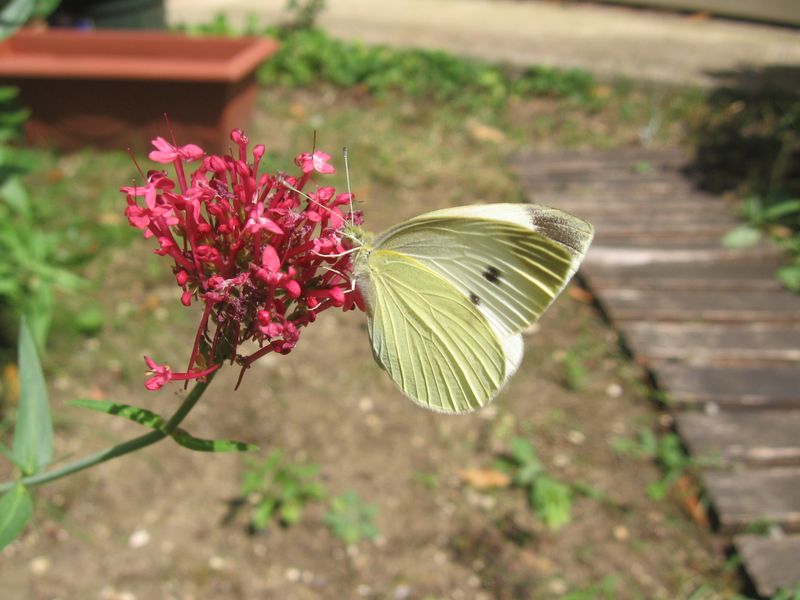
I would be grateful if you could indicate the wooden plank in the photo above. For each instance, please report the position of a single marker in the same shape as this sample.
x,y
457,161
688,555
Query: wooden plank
x,y
645,217
642,251
710,305
728,387
714,344
727,275
771,562
532,160
623,232
667,188
605,174
760,438
747,497
694,202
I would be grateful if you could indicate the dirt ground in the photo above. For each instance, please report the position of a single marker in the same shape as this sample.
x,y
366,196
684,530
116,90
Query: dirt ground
x,y
159,524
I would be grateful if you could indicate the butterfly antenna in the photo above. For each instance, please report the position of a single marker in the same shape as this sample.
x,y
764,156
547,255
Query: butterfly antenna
x,y
310,199
348,279
306,196
347,176
339,254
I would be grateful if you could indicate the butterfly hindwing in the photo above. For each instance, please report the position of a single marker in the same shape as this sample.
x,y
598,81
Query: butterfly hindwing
x,y
440,350
511,260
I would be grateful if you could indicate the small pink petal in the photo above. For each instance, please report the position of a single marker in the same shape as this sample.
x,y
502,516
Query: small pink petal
x,y
269,259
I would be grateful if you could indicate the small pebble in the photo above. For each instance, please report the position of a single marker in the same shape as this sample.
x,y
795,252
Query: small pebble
x,y
614,390
561,460
621,533
558,587
216,563
363,590
366,404
139,538
293,574
402,592
40,565
576,437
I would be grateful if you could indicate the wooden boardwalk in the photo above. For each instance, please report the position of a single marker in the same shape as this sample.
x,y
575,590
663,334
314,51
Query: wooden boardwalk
x,y
716,330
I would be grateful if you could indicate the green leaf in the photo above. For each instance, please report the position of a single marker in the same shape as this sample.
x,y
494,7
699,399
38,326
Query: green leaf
x,y
263,514
33,434
789,275
43,8
16,509
291,511
522,450
552,502
782,209
39,310
138,415
13,16
5,451
742,236
16,196
186,440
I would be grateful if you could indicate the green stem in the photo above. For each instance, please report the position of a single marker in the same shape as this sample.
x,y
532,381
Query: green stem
x,y
120,449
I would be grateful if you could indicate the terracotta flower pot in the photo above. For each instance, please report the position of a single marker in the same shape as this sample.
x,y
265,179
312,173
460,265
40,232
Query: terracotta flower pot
x,y
111,89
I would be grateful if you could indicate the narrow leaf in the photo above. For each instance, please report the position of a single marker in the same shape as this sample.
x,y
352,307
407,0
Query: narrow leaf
x,y
137,415
783,209
4,450
16,509
33,435
187,440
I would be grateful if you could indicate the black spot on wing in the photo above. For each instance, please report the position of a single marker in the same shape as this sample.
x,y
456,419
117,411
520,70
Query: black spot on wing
x,y
474,299
492,275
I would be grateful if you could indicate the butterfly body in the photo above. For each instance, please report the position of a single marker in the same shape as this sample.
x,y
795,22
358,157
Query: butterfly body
x,y
449,292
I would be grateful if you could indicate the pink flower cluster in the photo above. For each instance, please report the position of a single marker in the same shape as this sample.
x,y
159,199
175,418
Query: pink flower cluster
x,y
264,257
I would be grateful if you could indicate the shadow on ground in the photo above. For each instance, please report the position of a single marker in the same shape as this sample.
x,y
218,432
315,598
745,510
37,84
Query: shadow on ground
x,y
749,140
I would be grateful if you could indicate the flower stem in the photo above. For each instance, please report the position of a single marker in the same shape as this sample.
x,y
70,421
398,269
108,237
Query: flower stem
x,y
127,447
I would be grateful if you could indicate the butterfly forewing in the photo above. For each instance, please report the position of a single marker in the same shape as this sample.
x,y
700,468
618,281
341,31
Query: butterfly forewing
x,y
439,349
509,260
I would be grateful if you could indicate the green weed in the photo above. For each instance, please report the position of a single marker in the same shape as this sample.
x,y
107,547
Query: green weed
x,y
308,56
351,519
667,451
605,589
278,489
550,499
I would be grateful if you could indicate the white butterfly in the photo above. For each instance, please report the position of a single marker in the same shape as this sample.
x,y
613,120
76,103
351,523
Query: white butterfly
x,y
449,292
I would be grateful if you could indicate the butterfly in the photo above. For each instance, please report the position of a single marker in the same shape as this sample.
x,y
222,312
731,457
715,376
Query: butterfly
x,y
449,292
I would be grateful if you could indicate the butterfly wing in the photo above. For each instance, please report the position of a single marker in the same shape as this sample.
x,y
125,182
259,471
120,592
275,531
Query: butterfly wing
x,y
440,350
511,260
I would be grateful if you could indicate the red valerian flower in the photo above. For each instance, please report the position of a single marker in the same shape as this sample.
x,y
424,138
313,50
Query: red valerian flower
x,y
161,374
262,256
